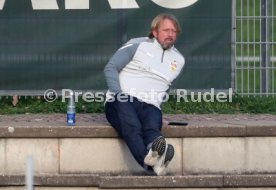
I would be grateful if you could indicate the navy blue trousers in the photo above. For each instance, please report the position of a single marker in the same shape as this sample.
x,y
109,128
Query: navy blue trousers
x,y
136,122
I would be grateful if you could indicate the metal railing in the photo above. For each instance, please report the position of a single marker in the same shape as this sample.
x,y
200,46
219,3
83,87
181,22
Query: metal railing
x,y
254,47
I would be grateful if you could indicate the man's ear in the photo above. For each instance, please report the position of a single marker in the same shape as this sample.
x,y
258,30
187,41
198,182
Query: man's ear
x,y
154,32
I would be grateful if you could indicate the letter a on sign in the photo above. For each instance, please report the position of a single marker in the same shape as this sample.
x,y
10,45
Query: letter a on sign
x,y
174,4
38,4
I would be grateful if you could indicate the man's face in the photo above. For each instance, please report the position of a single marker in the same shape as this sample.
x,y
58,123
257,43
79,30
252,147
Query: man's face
x,y
166,33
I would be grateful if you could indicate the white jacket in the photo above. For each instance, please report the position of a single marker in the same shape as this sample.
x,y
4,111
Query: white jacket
x,y
141,68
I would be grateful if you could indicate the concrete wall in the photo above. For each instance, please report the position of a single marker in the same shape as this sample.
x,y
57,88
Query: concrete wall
x,y
212,155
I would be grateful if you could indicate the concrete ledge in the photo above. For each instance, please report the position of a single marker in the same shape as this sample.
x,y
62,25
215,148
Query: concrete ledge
x,y
209,145
12,131
250,181
106,131
193,156
158,182
117,182
52,180
96,126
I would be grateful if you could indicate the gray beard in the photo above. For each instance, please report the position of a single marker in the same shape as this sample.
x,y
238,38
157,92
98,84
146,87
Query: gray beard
x,y
165,47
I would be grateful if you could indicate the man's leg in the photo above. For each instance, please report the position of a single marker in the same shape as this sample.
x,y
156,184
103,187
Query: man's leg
x,y
151,120
123,117
160,153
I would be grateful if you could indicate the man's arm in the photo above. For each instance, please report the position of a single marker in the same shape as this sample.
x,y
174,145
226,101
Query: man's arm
x,y
117,62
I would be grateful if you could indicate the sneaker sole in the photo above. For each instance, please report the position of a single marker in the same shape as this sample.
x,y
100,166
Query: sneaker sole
x,y
169,155
161,169
157,150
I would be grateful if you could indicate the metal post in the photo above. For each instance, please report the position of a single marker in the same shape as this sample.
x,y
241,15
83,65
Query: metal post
x,y
264,52
29,173
233,42
268,47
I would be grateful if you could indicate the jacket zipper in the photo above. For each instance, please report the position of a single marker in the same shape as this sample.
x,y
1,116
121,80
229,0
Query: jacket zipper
x,y
162,58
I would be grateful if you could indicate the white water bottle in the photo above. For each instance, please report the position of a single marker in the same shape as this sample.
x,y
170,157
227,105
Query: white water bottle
x,y
71,111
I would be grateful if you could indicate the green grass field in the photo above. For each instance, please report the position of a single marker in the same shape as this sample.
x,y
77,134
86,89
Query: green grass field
x,y
254,105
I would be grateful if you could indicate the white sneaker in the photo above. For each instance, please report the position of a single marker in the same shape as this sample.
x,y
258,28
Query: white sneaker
x,y
162,163
156,151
